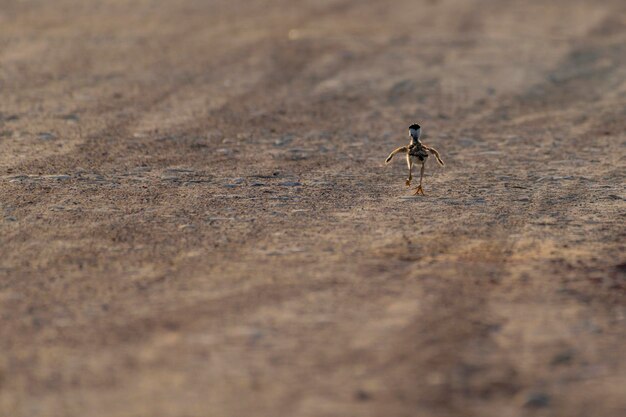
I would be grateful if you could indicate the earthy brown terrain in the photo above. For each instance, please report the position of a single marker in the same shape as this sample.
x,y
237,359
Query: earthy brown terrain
x,y
195,217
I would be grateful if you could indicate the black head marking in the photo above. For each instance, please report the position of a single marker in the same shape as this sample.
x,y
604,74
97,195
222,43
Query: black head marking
x,y
414,126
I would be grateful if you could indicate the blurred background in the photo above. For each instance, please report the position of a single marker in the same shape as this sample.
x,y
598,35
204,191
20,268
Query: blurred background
x,y
195,218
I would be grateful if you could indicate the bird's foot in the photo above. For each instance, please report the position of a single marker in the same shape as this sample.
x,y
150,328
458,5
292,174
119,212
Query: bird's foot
x,y
408,182
419,190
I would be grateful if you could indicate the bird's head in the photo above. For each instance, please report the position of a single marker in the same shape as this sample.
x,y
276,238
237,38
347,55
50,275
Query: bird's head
x,y
415,131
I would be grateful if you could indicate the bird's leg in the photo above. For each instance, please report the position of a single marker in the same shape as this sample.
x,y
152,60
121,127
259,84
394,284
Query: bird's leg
x,y
410,165
419,189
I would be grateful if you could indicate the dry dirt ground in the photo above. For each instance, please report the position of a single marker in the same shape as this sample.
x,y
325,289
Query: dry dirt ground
x,y
195,219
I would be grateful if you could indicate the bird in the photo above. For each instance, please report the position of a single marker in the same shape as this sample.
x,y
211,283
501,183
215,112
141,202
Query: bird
x,y
416,152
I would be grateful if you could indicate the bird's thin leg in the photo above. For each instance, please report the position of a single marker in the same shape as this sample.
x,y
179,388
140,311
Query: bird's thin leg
x,y
410,165
419,189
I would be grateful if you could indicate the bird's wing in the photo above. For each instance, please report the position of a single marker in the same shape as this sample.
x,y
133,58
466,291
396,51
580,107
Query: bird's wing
x,y
391,155
434,152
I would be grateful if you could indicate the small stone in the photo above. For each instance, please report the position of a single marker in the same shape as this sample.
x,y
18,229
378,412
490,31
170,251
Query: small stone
x,y
18,178
537,400
60,177
10,218
285,140
563,358
46,136
213,219
180,170
255,336
362,395
70,117
290,184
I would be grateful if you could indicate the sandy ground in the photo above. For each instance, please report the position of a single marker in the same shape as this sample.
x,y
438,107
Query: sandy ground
x,y
195,217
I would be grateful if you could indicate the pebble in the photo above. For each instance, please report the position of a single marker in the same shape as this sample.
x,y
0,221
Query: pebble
x,y
563,358
180,170
59,177
224,151
362,395
70,117
297,154
46,136
196,181
21,178
290,184
18,178
537,400
555,178
285,140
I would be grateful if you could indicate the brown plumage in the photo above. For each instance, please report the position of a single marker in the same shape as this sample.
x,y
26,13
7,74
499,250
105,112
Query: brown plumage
x,y
416,152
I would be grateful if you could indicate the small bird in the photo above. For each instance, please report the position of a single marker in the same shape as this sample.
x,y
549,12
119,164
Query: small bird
x,y
416,151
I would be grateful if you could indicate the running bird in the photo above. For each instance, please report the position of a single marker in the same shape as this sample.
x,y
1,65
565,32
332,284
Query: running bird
x,y
416,151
